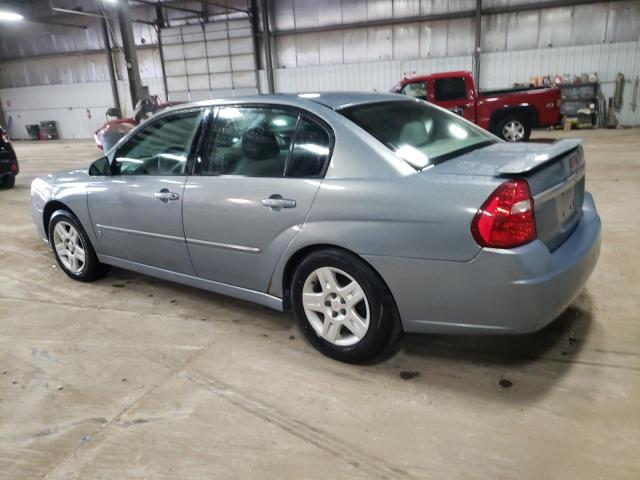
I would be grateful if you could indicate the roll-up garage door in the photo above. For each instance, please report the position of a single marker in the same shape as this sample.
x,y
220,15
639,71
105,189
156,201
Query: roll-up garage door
x,y
210,60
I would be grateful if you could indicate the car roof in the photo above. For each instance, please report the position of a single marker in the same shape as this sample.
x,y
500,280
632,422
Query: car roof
x,y
338,100
332,100
435,76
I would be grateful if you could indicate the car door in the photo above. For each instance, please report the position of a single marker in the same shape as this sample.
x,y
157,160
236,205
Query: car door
x,y
137,210
455,94
257,176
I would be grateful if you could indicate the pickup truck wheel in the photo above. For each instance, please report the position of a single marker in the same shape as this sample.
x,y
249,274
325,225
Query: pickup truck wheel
x,y
514,128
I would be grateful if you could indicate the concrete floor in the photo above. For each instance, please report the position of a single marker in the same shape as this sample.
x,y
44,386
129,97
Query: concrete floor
x,y
133,377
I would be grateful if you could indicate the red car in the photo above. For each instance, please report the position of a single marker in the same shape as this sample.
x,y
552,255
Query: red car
x,y
112,131
508,113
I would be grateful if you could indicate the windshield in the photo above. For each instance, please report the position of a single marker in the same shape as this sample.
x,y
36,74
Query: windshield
x,y
418,133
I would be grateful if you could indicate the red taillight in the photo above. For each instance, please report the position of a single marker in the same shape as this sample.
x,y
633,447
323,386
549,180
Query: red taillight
x,y
506,219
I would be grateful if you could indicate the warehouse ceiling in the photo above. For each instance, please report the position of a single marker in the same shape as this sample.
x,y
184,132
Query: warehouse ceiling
x,y
71,26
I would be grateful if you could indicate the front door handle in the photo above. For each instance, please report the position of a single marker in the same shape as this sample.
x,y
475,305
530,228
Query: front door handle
x,y
165,196
276,203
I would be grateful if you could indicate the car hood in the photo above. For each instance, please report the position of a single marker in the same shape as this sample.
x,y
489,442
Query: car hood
x,y
505,158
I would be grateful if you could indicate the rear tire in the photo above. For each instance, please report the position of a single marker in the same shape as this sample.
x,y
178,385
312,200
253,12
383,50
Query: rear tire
x,y
72,248
8,181
514,128
343,307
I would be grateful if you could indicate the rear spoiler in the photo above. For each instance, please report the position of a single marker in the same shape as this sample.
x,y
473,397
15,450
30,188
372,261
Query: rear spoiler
x,y
535,160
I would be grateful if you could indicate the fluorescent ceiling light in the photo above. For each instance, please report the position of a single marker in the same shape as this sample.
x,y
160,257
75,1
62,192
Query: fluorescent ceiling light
x,y
10,16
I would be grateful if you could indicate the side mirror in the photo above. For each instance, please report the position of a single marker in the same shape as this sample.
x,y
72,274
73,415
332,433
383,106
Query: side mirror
x,y
100,168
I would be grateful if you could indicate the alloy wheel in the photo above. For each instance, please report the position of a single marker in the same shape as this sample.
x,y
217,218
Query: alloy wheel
x,y
336,306
69,247
513,131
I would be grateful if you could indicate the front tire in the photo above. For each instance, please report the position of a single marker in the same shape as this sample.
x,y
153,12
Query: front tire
x,y
343,307
514,128
72,248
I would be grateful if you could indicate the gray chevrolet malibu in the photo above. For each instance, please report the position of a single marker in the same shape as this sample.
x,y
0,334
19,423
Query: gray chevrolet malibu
x,y
367,215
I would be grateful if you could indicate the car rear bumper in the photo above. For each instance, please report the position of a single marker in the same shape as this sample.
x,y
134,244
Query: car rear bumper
x,y
518,290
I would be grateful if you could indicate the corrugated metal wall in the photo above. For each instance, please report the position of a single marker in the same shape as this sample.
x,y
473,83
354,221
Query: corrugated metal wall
x,y
72,90
602,37
605,22
607,60
364,76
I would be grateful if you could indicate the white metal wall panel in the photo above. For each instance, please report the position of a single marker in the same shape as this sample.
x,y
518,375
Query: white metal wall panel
x,y
554,27
78,109
433,39
365,76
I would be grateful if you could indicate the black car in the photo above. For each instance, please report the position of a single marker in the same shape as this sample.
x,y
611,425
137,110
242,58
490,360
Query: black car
x,y
9,167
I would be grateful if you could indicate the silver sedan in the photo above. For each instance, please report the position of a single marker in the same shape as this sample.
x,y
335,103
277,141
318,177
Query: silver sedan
x,y
367,215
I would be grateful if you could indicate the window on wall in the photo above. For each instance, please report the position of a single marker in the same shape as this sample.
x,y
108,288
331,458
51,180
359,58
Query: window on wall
x,y
415,90
257,142
159,148
449,89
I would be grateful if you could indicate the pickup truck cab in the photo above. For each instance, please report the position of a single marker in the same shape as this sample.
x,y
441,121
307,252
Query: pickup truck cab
x,y
508,113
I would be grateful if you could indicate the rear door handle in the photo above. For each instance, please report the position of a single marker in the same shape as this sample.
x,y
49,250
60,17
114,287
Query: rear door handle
x,y
275,202
166,196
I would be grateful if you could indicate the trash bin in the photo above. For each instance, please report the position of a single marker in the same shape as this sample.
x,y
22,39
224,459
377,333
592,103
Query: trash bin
x,y
33,131
49,130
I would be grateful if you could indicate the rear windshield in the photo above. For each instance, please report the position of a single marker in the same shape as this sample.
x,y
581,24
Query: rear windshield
x,y
417,132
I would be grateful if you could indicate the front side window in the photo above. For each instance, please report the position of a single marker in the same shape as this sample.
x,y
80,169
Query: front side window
x,y
161,147
449,89
415,90
417,132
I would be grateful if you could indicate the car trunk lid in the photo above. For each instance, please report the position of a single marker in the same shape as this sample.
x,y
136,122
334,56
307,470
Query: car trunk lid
x,y
555,173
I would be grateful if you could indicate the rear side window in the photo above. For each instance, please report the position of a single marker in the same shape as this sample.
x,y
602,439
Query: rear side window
x,y
265,142
250,141
310,152
449,89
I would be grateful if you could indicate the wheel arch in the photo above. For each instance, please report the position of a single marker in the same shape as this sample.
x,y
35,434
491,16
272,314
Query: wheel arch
x,y
296,258
529,112
49,209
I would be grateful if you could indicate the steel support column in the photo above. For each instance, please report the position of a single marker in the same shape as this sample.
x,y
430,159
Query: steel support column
x,y
478,43
160,23
112,70
254,18
130,54
266,41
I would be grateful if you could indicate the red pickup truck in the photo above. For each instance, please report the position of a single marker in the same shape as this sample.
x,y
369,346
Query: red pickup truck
x,y
508,113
